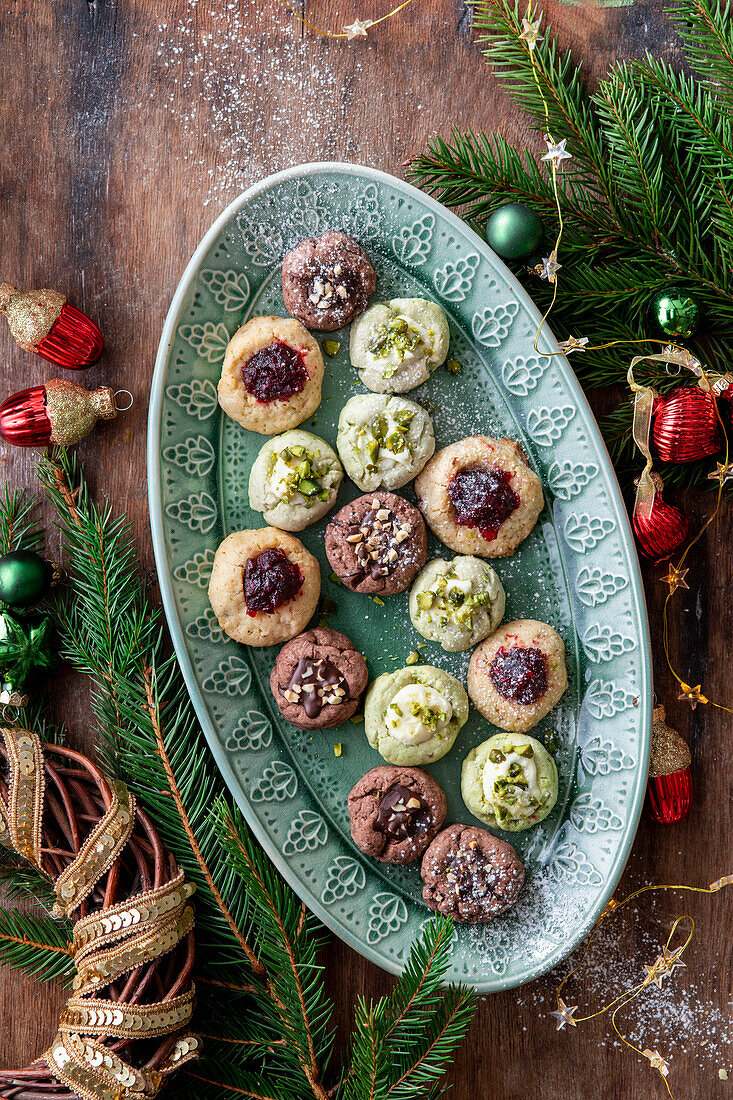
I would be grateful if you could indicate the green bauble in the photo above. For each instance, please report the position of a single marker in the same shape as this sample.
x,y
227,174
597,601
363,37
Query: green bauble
x,y
674,312
26,649
514,231
25,578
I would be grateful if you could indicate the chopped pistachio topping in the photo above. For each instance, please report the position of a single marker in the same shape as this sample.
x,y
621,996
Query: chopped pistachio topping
x,y
398,335
453,367
331,347
511,783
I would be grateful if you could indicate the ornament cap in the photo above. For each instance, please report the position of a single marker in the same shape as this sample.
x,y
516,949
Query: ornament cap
x,y
669,752
31,314
103,403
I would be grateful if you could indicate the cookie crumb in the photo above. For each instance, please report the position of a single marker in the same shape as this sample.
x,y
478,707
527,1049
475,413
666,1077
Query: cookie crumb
x,y
723,1074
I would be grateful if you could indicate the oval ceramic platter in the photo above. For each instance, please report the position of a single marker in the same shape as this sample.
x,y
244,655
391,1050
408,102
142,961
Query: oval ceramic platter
x,y
577,570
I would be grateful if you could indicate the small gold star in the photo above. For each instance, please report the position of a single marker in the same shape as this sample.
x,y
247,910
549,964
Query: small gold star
x,y
662,967
720,883
573,343
556,151
357,29
564,1014
550,267
692,695
656,1061
676,578
723,473
531,33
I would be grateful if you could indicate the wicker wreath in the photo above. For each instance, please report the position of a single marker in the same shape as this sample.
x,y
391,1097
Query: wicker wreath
x,y
122,1030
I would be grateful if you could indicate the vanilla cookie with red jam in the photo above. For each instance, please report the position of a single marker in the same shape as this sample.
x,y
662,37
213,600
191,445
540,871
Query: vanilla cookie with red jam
x,y
395,813
327,281
518,674
470,875
272,375
377,544
318,679
479,496
264,586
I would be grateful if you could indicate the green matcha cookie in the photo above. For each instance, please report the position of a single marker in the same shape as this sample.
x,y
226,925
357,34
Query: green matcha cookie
x,y
294,480
396,345
414,715
509,781
456,603
384,442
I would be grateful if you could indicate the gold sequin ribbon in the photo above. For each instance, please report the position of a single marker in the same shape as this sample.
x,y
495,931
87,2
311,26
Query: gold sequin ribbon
x,y
98,853
107,944
20,820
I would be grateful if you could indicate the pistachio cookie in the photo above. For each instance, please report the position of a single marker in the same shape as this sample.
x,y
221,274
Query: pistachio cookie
x,y
264,586
318,679
272,375
294,480
395,813
457,603
479,496
377,543
327,281
396,345
383,441
414,715
518,674
509,782
470,875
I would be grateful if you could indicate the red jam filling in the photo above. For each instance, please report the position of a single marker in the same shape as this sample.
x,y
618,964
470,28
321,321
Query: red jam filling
x,y
520,674
275,373
270,580
482,498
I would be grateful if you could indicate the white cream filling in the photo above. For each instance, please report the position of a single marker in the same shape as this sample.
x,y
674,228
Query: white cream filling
x,y
527,798
417,713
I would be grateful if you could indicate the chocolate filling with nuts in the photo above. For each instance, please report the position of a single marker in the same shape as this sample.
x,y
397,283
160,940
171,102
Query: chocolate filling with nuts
x,y
315,684
332,286
463,873
376,539
402,813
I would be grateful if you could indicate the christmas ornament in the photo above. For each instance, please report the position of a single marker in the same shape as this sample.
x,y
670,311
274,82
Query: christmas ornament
x,y
25,578
42,321
514,231
61,412
674,312
26,647
122,1030
669,787
685,425
659,527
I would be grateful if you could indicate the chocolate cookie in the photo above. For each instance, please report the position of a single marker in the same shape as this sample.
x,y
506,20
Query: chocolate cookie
x,y
377,543
327,281
470,875
395,813
318,679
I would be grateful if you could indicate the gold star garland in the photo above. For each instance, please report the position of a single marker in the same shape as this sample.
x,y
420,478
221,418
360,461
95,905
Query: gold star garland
x,y
358,29
666,962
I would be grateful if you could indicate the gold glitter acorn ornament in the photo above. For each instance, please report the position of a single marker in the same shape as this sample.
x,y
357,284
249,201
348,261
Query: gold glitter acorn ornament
x,y
42,321
669,789
60,413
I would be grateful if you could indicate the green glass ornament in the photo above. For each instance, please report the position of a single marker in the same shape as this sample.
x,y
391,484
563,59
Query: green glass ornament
x,y
674,312
26,649
514,231
25,578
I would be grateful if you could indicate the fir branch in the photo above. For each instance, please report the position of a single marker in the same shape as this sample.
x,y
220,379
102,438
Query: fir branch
x,y
38,946
19,528
706,29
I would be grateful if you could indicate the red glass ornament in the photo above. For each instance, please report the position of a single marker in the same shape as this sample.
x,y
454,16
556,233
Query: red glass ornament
x,y
24,419
685,425
74,341
669,797
661,529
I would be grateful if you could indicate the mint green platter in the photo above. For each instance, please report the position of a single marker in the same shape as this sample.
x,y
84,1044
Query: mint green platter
x,y
578,571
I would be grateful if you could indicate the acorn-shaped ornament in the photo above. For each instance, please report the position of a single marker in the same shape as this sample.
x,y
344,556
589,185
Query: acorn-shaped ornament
x,y
669,787
60,413
42,321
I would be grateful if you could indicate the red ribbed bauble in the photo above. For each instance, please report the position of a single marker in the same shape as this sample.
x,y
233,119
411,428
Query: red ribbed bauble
x,y
685,425
661,529
61,413
42,321
669,787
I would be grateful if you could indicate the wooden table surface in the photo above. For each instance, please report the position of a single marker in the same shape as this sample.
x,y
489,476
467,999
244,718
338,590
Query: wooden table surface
x,y
126,127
